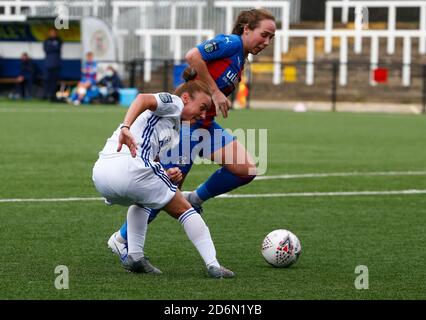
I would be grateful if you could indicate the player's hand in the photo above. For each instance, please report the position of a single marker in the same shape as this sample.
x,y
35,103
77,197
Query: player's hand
x,y
221,102
174,174
127,139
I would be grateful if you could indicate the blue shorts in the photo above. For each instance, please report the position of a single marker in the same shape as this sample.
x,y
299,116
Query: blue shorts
x,y
196,141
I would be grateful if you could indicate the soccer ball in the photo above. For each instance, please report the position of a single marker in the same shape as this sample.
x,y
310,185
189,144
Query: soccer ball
x,y
281,248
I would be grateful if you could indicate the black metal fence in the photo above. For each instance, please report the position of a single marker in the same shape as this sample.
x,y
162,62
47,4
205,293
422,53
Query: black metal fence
x,y
326,86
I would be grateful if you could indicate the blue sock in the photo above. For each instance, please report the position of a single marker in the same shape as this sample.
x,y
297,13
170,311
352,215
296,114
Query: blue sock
x,y
123,230
152,215
220,182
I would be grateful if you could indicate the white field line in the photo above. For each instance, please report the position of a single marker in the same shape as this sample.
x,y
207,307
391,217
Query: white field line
x,y
53,199
262,195
342,174
66,109
324,194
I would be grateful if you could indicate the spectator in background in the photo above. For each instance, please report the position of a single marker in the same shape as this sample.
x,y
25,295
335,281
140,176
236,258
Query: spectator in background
x,y
52,64
24,82
110,85
86,89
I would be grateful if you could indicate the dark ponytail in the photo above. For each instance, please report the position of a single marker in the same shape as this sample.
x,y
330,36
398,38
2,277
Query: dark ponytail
x,y
191,85
189,74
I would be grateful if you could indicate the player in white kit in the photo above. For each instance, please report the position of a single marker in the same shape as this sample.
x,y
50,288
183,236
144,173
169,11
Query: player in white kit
x,y
126,172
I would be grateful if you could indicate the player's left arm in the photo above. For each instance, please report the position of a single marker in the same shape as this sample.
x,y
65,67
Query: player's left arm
x,y
142,103
174,174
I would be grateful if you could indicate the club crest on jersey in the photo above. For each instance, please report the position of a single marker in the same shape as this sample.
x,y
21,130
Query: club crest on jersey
x,y
165,97
210,47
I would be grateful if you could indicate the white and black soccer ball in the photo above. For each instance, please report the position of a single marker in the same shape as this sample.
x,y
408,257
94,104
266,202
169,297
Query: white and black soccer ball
x,y
281,248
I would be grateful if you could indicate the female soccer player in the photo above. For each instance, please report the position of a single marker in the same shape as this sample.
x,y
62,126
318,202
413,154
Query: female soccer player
x,y
218,62
126,172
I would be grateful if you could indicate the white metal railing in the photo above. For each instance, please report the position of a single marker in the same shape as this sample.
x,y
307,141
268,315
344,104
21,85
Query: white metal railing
x,y
18,4
15,17
285,14
374,35
33,5
143,5
147,35
359,6
345,13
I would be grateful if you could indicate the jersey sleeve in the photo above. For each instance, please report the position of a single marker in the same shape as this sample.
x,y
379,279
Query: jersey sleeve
x,y
222,46
168,105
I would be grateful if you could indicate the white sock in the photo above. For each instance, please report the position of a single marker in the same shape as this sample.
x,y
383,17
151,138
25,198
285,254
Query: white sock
x,y
119,238
195,199
199,234
137,223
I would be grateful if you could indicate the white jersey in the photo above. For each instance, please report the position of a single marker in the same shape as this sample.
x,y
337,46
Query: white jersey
x,y
154,132
125,180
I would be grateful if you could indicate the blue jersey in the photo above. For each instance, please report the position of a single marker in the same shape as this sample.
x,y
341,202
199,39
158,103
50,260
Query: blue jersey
x,y
88,73
224,56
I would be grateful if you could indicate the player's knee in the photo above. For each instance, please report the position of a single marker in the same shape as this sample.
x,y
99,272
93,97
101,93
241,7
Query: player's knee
x,y
247,172
247,179
178,206
185,207
251,171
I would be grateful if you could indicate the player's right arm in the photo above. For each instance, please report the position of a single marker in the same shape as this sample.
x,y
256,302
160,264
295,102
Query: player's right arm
x,y
196,61
142,103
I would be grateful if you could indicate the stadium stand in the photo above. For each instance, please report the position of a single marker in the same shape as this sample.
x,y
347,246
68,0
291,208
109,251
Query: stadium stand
x,y
309,60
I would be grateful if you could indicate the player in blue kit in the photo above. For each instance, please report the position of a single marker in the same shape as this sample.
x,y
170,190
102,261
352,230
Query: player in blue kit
x,y
217,62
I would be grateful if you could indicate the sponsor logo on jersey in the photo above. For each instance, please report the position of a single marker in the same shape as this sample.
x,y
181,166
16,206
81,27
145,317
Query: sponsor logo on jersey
x,y
210,47
164,142
165,97
231,76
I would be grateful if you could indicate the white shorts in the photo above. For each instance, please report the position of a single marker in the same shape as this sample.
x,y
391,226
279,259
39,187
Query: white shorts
x,y
124,180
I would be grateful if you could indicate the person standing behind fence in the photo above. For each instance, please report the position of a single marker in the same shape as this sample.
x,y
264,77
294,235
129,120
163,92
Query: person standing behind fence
x,y
52,64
